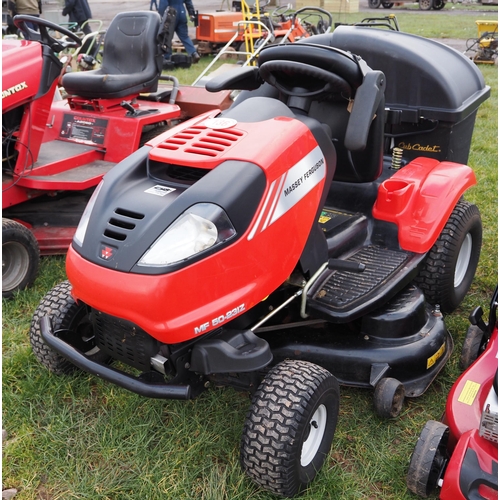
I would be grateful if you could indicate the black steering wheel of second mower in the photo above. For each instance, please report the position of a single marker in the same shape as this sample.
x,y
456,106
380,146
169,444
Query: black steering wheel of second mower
x,y
305,70
43,36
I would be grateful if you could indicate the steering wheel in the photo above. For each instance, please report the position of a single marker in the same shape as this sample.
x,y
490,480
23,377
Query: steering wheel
x,y
43,36
279,12
303,80
307,69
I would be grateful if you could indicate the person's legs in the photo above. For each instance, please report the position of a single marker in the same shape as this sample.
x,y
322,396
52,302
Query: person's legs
x,y
162,6
86,28
183,34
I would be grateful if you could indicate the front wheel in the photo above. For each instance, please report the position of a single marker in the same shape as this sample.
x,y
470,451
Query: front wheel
x,y
429,459
71,321
20,257
290,426
451,264
374,4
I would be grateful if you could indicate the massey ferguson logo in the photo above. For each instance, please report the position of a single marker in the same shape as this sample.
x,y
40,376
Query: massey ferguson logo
x,y
106,252
14,89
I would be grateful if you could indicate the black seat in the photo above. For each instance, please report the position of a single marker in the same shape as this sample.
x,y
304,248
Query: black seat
x,y
131,61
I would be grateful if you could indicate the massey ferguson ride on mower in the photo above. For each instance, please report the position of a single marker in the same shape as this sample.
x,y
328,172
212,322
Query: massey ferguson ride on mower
x,y
460,454
54,152
277,247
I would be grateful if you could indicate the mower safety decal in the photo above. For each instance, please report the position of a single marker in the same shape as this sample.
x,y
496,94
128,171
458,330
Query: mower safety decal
x,y
469,392
432,360
286,191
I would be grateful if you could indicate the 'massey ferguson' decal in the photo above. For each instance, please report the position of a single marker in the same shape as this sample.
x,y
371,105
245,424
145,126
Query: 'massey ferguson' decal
x,y
290,188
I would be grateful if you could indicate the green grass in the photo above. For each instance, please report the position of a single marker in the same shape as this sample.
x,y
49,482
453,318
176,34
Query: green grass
x,y
81,438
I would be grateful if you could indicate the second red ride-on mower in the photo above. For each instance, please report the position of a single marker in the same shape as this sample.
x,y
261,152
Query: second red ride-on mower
x,y
278,248
460,454
55,151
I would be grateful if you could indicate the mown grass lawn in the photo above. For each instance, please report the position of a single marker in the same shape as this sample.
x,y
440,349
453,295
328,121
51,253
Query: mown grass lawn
x,y
80,438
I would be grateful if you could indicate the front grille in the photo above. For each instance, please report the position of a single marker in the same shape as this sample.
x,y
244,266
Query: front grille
x,y
124,341
120,226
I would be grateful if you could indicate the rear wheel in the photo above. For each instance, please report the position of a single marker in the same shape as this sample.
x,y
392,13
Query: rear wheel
x,y
451,264
290,426
387,5
20,257
71,321
425,4
429,459
389,397
474,344
439,4
374,4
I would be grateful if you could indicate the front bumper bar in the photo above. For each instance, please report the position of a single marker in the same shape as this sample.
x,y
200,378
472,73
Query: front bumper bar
x,y
138,385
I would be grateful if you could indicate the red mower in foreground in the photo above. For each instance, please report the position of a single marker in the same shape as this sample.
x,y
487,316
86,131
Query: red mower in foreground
x,y
311,234
460,454
55,151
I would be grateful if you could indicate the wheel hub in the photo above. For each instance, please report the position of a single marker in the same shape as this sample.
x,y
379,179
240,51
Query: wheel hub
x,y
15,262
314,436
463,260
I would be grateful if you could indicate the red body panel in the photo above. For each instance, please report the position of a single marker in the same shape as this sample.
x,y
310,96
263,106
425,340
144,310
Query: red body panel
x,y
120,133
468,394
174,307
20,82
420,197
485,451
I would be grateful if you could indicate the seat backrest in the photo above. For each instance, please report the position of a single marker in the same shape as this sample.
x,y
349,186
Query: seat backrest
x,y
353,166
131,61
358,136
131,44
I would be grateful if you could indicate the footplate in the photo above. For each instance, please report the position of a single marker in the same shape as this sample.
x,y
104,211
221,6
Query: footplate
x,y
345,295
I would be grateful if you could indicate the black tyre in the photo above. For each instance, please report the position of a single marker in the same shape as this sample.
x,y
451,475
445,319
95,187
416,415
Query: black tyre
x,y
389,397
425,4
451,264
439,4
72,321
474,344
20,257
290,426
429,459
387,5
374,4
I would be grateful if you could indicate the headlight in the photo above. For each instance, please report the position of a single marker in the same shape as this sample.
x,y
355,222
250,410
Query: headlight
x,y
84,221
199,228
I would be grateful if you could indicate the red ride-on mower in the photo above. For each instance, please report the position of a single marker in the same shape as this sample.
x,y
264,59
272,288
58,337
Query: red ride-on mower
x,y
277,248
54,152
460,454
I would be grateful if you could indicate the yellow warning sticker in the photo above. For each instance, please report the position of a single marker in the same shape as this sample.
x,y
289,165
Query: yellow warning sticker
x,y
432,360
324,218
469,392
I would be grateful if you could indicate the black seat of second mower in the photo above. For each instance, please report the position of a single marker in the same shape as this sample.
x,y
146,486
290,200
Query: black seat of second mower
x,y
130,62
